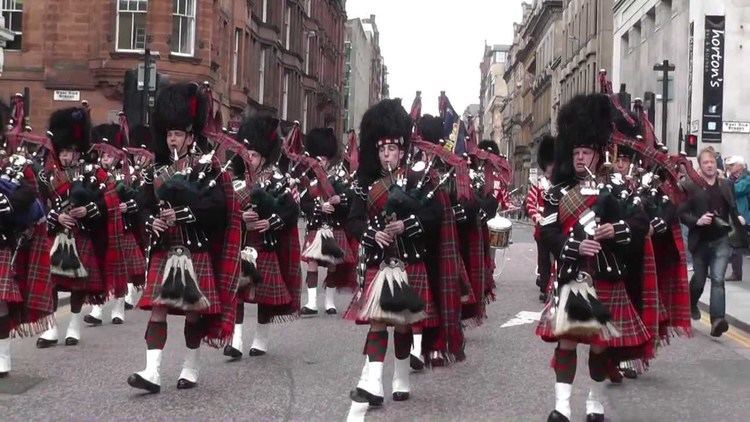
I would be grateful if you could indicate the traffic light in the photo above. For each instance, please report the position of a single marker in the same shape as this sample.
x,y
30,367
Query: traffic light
x,y
691,145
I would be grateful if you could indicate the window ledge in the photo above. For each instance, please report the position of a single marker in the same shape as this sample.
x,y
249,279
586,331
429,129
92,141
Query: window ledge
x,y
176,57
131,54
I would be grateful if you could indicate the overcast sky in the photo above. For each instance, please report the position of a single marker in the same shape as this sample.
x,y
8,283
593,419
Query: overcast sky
x,y
434,45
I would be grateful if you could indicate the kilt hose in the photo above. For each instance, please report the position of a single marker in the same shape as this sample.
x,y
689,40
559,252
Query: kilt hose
x,y
417,278
93,286
205,278
633,333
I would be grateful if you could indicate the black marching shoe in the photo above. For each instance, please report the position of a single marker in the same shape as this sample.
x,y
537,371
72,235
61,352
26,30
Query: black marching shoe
x,y
71,341
88,319
556,416
232,352
183,384
415,363
305,311
331,311
117,321
630,373
595,417
256,352
400,396
719,327
360,395
42,343
137,381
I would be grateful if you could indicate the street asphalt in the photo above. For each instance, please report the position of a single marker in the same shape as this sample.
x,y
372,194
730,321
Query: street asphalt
x,y
313,363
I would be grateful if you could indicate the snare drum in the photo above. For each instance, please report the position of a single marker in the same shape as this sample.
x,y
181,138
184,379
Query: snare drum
x,y
500,229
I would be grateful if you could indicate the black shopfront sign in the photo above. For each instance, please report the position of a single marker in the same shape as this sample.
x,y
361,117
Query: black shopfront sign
x,y
713,78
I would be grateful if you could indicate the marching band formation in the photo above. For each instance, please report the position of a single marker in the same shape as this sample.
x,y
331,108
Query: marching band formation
x,y
202,221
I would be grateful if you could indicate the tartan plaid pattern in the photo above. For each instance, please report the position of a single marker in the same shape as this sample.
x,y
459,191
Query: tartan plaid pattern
x,y
565,363
94,285
288,253
272,290
474,253
345,276
203,271
598,365
156,335
225,254
376,345
452,274
133,259
674,293
9,291
402,344
649,298
572,206
340,236
417,277
114,268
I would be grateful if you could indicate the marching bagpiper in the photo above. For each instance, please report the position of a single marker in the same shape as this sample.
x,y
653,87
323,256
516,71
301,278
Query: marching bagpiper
x,y
192,218
325,213
583,229
391,222
110,142
270,242
26,303
83,221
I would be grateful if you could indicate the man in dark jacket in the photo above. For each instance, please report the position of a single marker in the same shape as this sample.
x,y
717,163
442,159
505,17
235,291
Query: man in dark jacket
x,y
711,216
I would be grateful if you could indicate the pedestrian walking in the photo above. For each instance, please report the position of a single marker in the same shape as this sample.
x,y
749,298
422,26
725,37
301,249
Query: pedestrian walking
x,y
739,176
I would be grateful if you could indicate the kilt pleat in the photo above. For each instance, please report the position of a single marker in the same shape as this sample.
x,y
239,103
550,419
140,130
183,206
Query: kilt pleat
x,y
203,271
134,260
9,291
271,291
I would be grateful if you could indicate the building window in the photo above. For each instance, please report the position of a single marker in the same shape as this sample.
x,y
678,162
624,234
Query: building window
x,y
236,55
262,75
287,27
13,14
285,97
304,113
264,11
308,39
131,24
183,27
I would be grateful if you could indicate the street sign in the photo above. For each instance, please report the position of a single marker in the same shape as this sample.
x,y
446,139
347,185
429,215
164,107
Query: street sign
x,y
736,127
695,126
151,77
65,95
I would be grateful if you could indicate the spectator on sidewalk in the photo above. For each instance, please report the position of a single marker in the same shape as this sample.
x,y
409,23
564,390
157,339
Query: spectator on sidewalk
x,y
738,174
711,215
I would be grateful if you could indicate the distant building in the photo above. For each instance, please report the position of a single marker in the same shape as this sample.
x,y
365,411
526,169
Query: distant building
x,y
365,75
493,91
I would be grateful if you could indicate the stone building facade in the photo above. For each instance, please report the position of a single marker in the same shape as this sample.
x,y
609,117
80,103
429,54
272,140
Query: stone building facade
x,y
279,56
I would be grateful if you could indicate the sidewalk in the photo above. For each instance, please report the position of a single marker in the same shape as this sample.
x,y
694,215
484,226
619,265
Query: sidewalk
x,y
737,298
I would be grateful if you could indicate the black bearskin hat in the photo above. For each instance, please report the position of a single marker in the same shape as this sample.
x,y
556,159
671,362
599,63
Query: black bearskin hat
x,y
384,122
584,121
71,129
111,132
178,107
140,137
322,142
260,134
489,146
431,128
545,155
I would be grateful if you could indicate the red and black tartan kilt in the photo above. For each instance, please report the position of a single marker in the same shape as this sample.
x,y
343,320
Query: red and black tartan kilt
x,y
94,285
674,292
417,277
9,291
203,271
135,263
272,291
489,267
340,236
633,333
474,258
33,278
